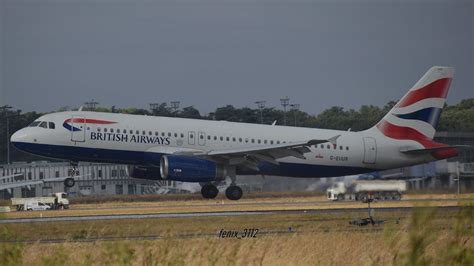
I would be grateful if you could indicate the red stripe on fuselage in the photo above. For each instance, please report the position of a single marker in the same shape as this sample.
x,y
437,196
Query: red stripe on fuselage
x,y
89,121
406,133
436,89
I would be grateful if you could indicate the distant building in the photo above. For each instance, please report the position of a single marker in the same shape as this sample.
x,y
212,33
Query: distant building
x,y
42,178
458,138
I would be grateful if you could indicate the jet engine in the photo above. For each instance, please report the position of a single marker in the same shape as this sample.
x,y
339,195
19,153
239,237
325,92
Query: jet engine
x,y
190,169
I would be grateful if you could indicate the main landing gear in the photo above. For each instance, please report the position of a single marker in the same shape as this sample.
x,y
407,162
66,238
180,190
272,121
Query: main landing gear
x,y
70,182
210,191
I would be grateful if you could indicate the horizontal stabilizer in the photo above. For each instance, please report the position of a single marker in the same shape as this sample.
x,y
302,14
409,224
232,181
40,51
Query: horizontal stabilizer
x,y
430,150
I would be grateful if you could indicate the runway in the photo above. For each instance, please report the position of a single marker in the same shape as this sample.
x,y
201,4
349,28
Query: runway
x,y
206,214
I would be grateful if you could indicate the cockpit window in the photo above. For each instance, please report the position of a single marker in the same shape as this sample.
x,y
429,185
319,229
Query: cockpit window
x,y
43,125
51,125
34,124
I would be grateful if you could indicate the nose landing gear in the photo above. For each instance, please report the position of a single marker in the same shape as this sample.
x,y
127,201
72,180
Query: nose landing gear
x,y
70,182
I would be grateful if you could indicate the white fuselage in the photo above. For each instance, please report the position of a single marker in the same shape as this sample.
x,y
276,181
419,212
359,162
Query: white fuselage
x,y
126,138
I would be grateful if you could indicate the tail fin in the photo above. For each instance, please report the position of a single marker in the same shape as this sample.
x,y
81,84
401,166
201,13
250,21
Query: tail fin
x,y
416,115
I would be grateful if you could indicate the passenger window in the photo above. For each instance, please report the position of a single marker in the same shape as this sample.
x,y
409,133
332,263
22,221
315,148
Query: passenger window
x,y
98,129
322,146
328,146
201,136
253,141
240,139
118,130
43,125
169,134
278,142
215,137
143,132
271,142
162,134
105,129
208,137
156,133
182,135
340,147
221,138
175,135
233,139
347,148
111,130
265,141
51,125
246,140
137,132
259,141
150,133
130,131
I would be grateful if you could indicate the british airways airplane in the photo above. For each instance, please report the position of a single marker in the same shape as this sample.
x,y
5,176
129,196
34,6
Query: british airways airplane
x,y
189,150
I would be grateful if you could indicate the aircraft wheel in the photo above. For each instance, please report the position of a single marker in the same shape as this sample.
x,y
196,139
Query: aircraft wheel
x,y
233,193
69,182
209,191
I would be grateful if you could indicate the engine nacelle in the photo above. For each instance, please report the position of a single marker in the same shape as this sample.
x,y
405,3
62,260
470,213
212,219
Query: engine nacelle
x,y
190,169
151,173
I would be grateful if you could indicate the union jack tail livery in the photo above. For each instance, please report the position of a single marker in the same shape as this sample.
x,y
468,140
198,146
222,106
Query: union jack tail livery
x,y
416,115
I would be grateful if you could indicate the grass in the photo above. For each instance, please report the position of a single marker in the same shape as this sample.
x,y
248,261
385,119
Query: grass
x,y
425,236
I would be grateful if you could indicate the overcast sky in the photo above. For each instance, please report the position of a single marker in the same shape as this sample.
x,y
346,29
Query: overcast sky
x,y
212,53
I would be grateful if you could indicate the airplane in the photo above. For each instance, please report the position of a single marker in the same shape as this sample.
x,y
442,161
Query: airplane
x,y
206,152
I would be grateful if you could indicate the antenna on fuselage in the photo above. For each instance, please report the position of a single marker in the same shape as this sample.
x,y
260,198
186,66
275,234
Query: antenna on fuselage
x,y
274,123
80,108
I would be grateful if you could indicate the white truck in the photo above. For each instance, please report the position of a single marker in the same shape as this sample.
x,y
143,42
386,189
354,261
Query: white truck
x,y
55,201
361,189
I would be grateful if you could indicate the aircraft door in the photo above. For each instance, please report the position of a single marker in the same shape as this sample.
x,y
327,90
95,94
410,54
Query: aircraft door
x,y
191,137
78,129
202,138
370,150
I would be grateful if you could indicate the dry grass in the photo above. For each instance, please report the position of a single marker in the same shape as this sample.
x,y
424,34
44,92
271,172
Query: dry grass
x,y
436,238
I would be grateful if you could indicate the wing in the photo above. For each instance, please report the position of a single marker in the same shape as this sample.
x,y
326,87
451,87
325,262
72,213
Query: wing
x,y
250,157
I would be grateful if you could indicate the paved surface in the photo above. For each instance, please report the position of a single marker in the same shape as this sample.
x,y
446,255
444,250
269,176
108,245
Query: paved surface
x,y
203,214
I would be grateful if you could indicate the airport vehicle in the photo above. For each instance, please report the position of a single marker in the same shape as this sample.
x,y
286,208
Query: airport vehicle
x,y
203,151
36,206
55,201
360,190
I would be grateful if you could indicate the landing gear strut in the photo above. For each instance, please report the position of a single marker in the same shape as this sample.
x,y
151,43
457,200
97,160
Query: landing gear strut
x,y
70,182
209,191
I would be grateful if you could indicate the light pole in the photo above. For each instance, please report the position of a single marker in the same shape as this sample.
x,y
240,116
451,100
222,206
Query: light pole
x,y
5,111
261,106
285,102
295,107
91,105
175,107
154,107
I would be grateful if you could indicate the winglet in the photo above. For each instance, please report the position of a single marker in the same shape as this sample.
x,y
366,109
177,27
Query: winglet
x,y
333,140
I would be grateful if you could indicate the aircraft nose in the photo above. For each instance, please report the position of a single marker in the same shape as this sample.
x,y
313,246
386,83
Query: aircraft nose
x,y
18,137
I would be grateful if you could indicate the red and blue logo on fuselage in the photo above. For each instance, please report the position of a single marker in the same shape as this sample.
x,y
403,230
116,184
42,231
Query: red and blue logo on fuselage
x,y
70,123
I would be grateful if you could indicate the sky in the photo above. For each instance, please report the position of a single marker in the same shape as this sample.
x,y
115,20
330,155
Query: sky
x,y
210,53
